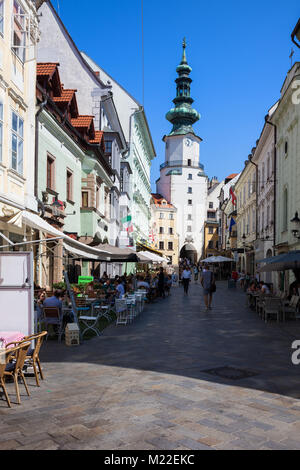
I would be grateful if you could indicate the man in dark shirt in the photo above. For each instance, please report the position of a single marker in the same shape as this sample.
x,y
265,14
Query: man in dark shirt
x,y
54,301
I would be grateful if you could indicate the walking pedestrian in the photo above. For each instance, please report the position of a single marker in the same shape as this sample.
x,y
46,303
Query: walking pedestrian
x,y
196,273
161,283
186,277
208,283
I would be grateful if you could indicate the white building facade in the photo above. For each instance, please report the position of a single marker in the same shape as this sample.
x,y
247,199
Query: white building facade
x,y
182,179
18,37
136,163
95,98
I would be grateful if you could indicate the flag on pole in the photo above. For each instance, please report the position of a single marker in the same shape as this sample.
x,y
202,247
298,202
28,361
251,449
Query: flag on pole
x,y
126,219
232,223
127,224
233,196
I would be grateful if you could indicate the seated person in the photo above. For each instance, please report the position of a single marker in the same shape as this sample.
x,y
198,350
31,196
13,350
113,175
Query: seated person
x,y
55,300
90,288
120,289
252,287
40,303
264,288
142,284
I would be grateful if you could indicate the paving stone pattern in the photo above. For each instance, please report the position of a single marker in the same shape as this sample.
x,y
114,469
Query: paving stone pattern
x,y
143,386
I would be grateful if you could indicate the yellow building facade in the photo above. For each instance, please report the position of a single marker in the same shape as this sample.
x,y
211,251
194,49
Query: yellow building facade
x,y
246,199
18,38
163,235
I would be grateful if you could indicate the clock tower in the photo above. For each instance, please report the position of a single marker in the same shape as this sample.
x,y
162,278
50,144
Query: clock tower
x,y
182,179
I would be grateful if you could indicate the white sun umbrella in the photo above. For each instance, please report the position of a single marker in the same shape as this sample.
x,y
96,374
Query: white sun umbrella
x,y
216,259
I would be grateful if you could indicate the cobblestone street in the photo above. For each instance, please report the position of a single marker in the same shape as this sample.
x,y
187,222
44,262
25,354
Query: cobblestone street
x,y
147,385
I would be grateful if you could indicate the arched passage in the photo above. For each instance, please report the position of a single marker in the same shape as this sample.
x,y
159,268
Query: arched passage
x,y
189,251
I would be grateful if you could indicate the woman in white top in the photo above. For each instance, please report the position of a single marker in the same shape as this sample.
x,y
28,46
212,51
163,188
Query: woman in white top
x,y
186,277
265,289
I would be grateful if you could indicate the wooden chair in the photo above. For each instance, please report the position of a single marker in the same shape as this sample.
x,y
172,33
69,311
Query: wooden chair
x,y
5,356
33,358
15,369
52,316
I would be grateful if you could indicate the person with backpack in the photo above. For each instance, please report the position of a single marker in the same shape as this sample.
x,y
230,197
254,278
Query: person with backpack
x,y
209,287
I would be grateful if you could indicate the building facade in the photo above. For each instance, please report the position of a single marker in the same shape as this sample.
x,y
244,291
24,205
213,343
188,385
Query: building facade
x,y
19,34
182,179
264,158
163,231
227,217
211,245
286,118
245,192
136,162
73,178
96,102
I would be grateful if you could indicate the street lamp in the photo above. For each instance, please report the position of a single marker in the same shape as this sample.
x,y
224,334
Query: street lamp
x,y
56,205
296,33
295,226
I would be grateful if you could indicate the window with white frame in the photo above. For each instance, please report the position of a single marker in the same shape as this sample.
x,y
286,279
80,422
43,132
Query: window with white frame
x,y
19,31
2,17
1,129
17,130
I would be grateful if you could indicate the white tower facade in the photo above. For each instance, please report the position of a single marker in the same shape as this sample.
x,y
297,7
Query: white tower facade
x,y
182,179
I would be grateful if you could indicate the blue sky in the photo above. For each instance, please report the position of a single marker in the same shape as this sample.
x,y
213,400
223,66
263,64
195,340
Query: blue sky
x,y
239,53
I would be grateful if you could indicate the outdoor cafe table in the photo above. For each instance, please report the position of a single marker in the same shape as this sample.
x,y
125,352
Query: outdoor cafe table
x,y
7,337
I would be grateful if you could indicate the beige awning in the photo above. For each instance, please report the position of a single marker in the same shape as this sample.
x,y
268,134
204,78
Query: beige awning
x,y
36,222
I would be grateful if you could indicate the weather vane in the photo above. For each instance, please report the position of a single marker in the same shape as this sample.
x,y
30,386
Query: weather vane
x,y
184,43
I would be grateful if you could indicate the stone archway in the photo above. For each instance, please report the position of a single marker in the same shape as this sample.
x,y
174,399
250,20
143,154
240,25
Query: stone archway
x,y
189,251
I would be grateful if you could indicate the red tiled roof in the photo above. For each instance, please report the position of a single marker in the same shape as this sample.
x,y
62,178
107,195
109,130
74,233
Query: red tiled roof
x,y
158,198
82,121
45,69
233,175
65,97
98,138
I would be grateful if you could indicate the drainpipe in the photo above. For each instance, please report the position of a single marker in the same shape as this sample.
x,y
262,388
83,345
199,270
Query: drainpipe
x,y
256,203
275,176
36,156
256,190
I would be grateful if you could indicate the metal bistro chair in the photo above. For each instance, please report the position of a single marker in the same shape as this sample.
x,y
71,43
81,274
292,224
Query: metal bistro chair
x,y
291,308
90,323
105,309
132,307
121,311
53,317
139,303
259,306
272,307
81,305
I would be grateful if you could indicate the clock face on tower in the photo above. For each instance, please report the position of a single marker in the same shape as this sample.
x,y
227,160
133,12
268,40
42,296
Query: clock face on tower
x,y
188,142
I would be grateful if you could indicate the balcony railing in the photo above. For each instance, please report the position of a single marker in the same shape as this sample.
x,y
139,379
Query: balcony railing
x,y
181,163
